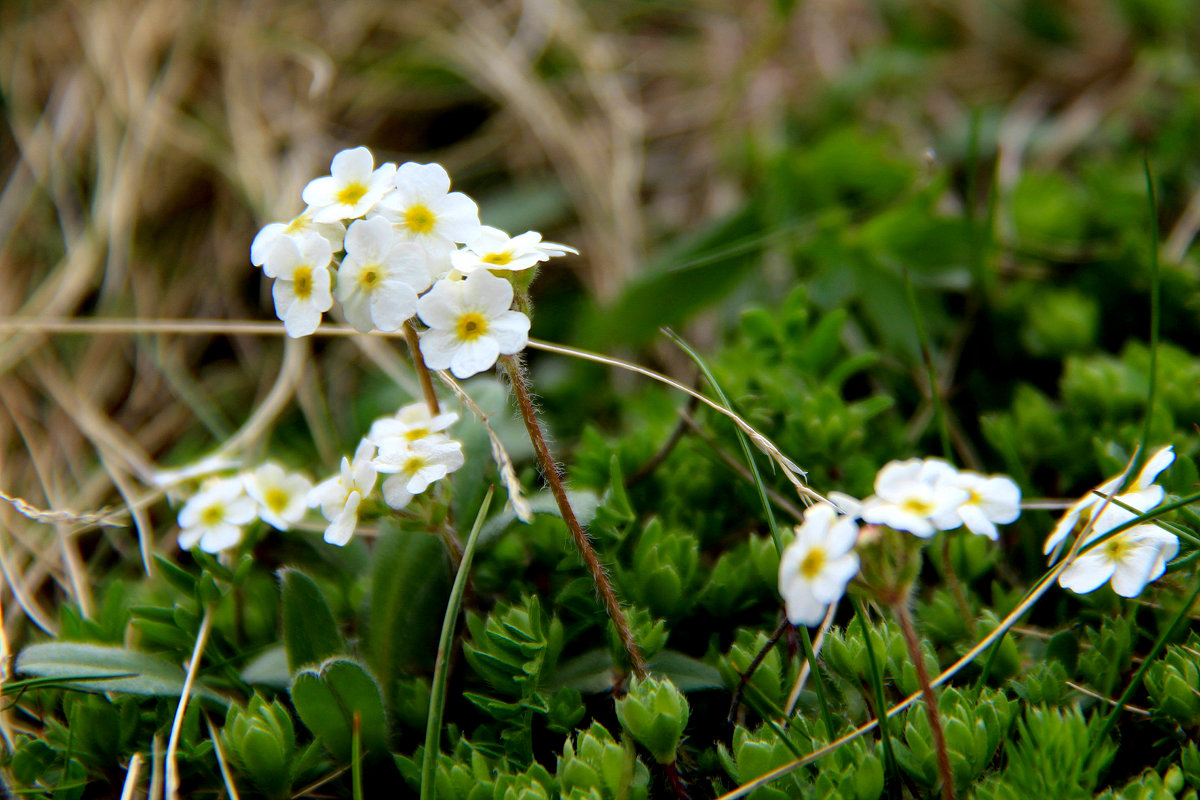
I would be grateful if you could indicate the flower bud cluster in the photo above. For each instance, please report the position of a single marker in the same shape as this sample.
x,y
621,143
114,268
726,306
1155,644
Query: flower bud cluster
x,y
393,242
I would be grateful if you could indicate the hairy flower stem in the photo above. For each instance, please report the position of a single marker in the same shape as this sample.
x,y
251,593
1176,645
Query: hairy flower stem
x,y
516,374
414,348
904,617
676,781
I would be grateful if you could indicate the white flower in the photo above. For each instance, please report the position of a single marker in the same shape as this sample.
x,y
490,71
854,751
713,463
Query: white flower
x,y
351,189
915,496
302,281
1130,559
470,324
491,248
411,423
423,209
340,496
817,565
281,496
260,248
415,465
214,517
989,500
1142,493
380,277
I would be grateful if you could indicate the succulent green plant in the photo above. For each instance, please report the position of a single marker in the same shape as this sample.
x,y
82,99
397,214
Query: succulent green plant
x,y
655,713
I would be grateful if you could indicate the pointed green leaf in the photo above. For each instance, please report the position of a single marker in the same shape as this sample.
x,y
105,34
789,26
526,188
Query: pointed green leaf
x,y
132,672
310,633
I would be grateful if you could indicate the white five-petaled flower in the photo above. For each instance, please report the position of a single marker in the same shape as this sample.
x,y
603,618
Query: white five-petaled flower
x,y
340,496
282,497
302,281
915,496
1102,514
380,277
470,324
491,248
415,465
817,565
352,188
990,499
260,248
411,423
214,517
1130,559
423,209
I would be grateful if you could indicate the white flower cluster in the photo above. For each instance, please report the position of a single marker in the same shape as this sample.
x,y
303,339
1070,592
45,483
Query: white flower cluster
x,y
923,496
920,496
398,232
215,518
1130,559
410,448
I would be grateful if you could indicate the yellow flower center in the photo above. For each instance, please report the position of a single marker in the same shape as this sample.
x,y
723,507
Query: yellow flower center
x,y
370,276
416,433
471,326
499,259
1117,548
213,515
412,464
419,219
276,499
917,506
351,193
297,225
811,566
973,498
302,282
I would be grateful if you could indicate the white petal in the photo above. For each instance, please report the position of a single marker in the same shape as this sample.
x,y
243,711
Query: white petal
x,y
474,357
301,318
511,331
894,478
1158,461
394,492
342,527
392,304
438,348
368,239
357,309
321,192
221,536
441,306
424,183
263,241
803,608
977,522
458,217
1087,574
283,258
355,165
484,292
830,585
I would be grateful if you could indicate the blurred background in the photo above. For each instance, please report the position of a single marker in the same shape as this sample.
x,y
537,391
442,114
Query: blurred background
x,y
703,156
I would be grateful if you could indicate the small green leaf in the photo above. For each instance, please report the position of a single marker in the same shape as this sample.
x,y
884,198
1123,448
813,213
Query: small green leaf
x,y
310,633
327,698
132,672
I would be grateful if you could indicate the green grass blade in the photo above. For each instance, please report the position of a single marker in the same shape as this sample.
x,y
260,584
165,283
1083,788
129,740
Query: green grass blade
x,y
437,698
885,736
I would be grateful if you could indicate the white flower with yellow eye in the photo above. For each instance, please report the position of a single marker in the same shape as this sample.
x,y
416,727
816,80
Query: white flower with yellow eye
x,y
214,517
281,496
817,565
491,248
1130,559
1102,514
302,282
470,324
380,277
340,496
260,248
415,465
915,496
411,423
990,499
352,187
423,209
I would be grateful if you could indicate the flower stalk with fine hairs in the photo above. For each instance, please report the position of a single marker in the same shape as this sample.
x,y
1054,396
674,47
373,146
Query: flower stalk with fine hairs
x,y
516,374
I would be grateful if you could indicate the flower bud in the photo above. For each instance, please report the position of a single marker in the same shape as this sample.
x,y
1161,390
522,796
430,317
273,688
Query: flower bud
x,y
261,741
655,714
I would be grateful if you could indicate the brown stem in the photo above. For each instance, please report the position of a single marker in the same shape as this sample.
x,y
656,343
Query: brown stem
x,y
612,605
414,347
904,617
676,781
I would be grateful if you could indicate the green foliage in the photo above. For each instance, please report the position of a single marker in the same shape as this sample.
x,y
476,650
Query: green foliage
x,y
593,762
974,727
328,698
1172,682
310,633
768,688
104,668
664,571
260,739
846,655
853,772
655,713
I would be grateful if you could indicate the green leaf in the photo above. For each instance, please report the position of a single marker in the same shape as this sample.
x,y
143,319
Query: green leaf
x,y
327,698
131,672
409,587
269,668
687,673
310,633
